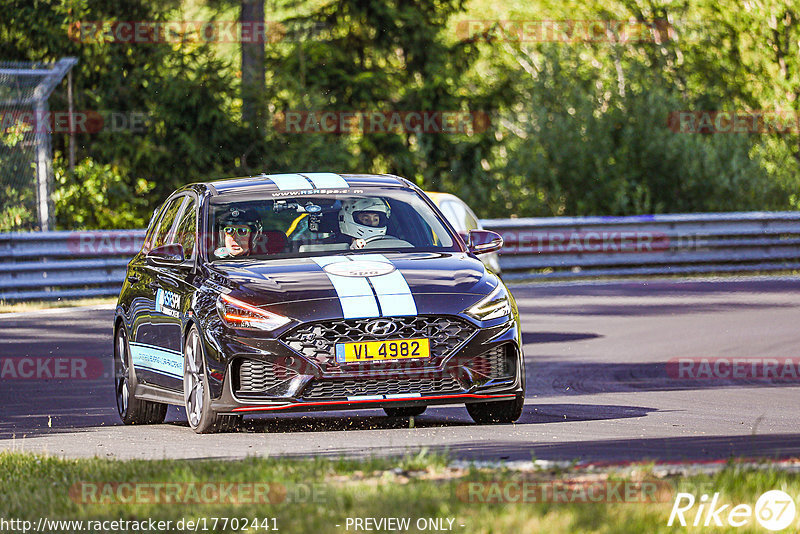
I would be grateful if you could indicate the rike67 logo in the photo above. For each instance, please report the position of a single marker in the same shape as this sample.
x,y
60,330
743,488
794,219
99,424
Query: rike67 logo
x,y
774,510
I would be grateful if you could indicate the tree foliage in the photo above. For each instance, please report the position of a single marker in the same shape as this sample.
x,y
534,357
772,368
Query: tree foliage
x,y
576,127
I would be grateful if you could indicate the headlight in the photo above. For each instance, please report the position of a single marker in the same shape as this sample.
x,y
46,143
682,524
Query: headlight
x,y
239,314
493,306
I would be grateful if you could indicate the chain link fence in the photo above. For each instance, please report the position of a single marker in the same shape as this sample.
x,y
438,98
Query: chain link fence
x,y
26,171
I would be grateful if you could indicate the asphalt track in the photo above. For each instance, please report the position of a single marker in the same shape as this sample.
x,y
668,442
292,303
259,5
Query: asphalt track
x,y
599,387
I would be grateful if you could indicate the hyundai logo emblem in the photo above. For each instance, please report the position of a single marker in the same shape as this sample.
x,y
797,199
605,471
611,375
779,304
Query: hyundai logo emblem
x,y
381,327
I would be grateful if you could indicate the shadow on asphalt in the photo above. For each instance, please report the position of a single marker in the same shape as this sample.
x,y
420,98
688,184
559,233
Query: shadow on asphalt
x,y
440,417
69,406
557,378
659,288
674,449
60,406
531,338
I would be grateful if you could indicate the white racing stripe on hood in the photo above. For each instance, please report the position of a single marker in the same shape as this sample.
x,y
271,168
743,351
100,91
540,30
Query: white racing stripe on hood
x,y
355,294
289,182
313,180
392,290
357,297
327,180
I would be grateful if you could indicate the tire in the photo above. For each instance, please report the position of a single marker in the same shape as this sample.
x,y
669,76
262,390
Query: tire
x,y
131,410
197,399
406,411
485,413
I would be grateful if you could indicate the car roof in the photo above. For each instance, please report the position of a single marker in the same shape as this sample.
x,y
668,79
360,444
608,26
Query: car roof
x,y
304,181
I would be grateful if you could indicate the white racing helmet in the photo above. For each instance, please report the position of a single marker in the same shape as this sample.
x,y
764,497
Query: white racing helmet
x,y
348,218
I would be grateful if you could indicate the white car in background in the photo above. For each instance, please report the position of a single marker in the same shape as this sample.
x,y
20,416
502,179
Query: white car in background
x,y
463,220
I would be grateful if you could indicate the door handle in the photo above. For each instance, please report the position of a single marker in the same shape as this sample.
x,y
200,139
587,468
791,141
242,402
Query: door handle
x,y
153,285
133,279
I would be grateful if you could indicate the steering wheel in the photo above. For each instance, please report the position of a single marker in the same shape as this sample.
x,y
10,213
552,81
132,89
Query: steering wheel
x,y
387,242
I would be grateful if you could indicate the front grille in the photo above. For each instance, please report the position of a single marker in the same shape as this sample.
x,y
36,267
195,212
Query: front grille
x,y
317,341
258,376
492,364
340,389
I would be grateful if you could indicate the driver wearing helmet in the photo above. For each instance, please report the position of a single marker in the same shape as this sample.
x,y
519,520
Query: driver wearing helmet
x,y
238,229
364,220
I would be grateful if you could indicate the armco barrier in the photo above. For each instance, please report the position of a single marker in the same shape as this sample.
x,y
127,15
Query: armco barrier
x,y
566,247
50,265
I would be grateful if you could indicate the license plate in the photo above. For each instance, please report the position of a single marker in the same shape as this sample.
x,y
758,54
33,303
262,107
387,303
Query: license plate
x,y
377,351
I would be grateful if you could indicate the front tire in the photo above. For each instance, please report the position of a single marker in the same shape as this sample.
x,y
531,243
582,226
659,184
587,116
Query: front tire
x,y
131,410
485,413
197,399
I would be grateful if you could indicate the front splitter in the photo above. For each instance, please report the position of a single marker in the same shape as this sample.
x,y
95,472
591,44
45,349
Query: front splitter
x,y
344,404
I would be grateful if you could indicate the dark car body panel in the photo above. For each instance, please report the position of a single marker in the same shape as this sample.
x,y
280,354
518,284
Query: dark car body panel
x,y
158,304
282,281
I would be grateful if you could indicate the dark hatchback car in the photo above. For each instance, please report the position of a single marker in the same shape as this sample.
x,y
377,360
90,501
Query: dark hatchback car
x,y
315,291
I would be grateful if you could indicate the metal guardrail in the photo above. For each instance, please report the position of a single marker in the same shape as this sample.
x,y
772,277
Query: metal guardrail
x,y
570,247
52,265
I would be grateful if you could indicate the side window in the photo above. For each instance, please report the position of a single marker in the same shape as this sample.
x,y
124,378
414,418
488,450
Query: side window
x,y
470,219
187,228
152,223
454,214
165,224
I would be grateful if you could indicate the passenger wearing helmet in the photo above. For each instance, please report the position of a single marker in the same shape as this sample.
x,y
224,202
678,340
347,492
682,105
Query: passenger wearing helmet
x,y
237,229
364,219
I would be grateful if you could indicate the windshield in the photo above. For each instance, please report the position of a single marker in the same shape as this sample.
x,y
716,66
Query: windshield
x,y
294,224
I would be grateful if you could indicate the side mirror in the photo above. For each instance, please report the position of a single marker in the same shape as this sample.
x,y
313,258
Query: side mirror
x,y
483,241
167,255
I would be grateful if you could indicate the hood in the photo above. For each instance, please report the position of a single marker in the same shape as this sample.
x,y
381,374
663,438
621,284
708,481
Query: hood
x,y
288,283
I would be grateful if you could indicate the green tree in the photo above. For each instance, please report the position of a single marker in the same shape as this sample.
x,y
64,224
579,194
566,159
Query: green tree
x,y
191,133
98,196
16,201
389,56
587,128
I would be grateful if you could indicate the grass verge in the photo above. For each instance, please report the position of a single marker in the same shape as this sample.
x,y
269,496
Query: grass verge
x,y
319,495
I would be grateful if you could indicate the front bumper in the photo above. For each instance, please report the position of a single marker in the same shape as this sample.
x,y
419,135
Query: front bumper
x,y
487,366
